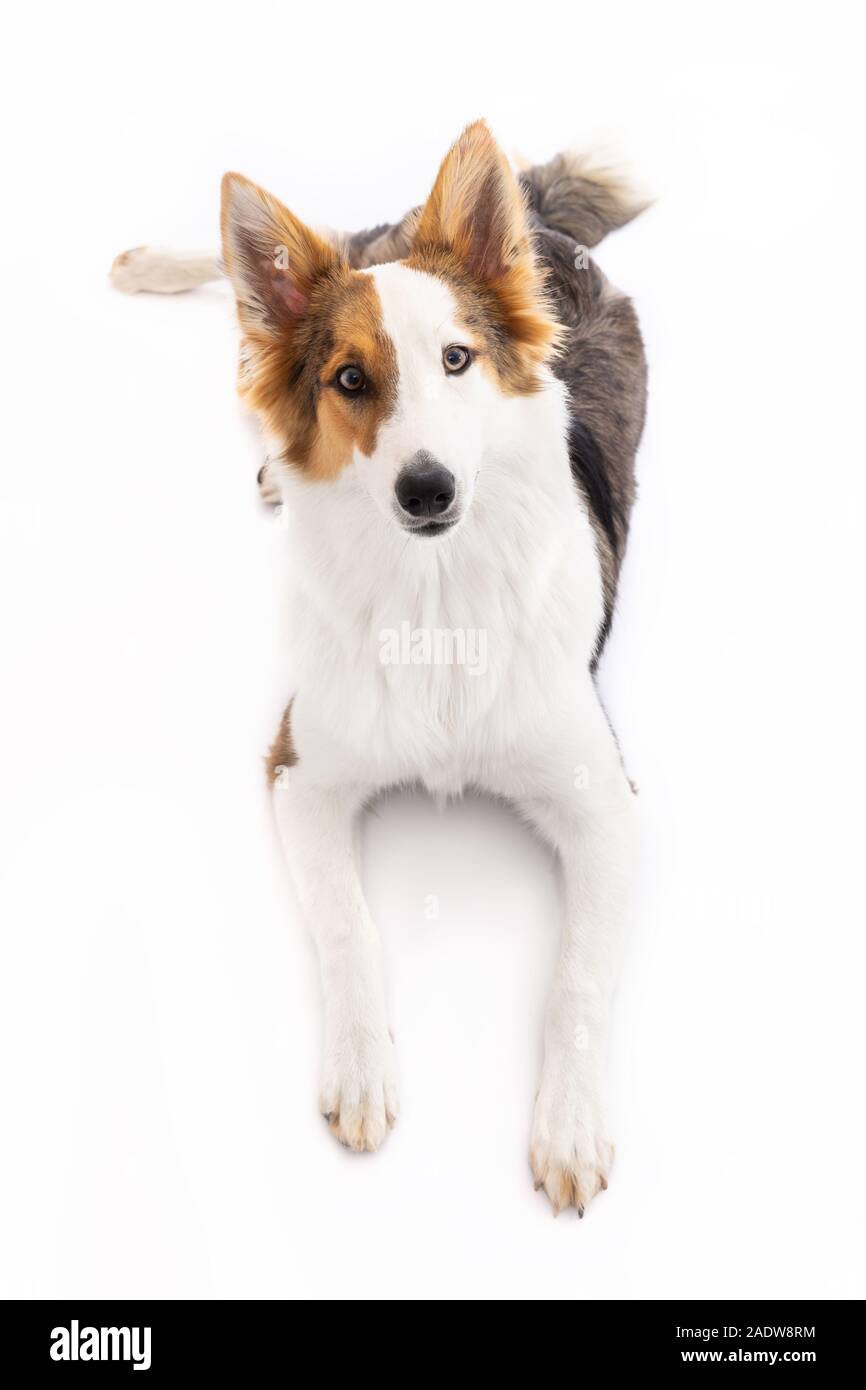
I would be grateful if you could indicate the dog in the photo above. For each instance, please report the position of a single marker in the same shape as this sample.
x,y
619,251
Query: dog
x,y
452,406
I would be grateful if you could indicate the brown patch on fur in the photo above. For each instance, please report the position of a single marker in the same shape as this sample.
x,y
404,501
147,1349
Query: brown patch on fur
x,y
352,330
473,233
282,750
305,314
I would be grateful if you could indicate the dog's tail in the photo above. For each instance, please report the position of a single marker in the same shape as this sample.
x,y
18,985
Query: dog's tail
x,y
576,194
164,272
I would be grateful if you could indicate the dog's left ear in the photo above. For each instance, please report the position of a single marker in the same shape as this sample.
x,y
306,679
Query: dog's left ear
x,y
476,217
476,208
273,259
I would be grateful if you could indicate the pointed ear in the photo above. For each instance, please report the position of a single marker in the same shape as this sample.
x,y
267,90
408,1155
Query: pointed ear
x,y
273,259
476,208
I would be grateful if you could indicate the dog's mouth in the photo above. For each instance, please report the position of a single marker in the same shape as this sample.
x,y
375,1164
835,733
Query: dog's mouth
x,y
436,527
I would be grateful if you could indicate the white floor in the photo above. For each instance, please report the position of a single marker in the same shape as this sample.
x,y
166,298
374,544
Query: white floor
x,y
159,1014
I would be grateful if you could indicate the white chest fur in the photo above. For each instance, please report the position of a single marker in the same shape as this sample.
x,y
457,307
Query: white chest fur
x,y
429,658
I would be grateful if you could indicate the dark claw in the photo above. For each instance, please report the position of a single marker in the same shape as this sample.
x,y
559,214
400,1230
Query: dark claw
x,y
580,1212
261,474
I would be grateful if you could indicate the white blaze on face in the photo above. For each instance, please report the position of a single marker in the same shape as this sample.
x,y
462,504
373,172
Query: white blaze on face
x,y
449,416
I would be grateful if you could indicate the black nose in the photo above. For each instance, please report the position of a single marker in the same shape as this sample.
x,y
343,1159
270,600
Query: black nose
x,y
424,487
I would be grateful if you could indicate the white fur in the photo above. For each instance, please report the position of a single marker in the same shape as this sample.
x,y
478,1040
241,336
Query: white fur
x,y
521,565
448,416
162,271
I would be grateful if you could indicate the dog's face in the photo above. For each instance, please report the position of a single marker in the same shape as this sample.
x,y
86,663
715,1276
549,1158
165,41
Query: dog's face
x,y
396,372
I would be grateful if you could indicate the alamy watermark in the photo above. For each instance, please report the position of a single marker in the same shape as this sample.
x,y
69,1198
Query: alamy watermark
x,y
76,1343
434,646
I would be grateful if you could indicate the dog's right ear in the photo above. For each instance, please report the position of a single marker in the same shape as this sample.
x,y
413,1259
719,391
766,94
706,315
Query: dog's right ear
x,y
274,260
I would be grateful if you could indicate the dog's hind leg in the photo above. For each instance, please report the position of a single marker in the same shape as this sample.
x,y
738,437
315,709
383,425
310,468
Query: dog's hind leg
x,y
269,483
161,271
318,825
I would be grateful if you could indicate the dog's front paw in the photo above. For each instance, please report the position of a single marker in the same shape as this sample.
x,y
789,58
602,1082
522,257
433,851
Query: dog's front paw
x,y
269,483
570,1154
359,1087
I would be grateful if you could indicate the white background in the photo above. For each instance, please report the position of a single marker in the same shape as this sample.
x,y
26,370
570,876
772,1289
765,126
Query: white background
x,y
160,1015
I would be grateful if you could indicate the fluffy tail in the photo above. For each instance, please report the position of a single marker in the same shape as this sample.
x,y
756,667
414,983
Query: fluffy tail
x,y
163,272
576,195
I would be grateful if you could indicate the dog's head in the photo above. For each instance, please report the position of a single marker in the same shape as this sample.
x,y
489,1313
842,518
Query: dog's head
x,y
398,372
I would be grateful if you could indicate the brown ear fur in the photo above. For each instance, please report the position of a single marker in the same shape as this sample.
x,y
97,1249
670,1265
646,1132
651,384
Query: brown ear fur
x,y
273,259
280,271
300,307
475,219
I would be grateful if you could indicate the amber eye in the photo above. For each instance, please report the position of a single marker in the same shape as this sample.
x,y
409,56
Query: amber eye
x,y
456,359
351,380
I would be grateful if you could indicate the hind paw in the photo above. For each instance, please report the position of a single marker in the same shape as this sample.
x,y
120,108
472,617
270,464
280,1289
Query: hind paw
x,y
269,484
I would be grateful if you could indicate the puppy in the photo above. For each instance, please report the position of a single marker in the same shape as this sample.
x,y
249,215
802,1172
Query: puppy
x,y
452,407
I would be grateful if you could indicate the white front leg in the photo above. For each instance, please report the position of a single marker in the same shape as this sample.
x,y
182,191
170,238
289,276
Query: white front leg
x,y
586,811
319,831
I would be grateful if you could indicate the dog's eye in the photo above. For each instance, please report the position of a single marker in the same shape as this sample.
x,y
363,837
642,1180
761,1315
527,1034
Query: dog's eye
x,y
351,380
456,359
